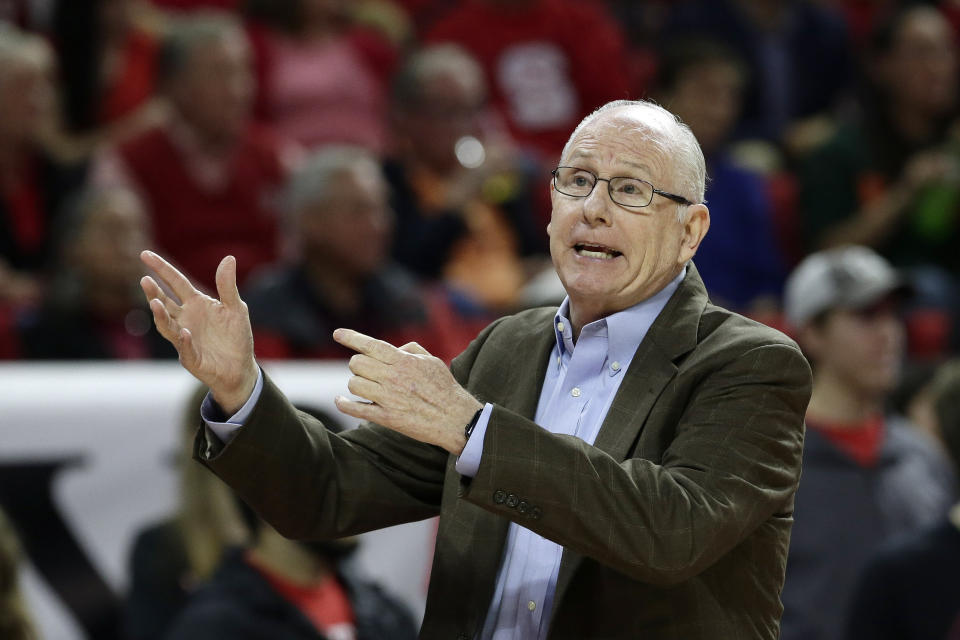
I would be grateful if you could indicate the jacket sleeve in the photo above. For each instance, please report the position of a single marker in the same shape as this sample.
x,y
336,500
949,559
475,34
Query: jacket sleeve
x,y
309,483
732,463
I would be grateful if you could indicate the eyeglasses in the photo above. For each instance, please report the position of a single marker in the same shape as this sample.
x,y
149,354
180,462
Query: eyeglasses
x,y
627,192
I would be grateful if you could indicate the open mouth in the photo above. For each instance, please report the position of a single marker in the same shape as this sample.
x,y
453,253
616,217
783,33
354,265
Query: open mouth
x,y
596,251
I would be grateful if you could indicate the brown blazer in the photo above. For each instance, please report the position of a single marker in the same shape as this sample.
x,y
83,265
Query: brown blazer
x,y
675,523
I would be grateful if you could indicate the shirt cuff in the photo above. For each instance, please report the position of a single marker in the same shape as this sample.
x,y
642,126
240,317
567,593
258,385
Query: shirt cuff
x,y
469,460
226,429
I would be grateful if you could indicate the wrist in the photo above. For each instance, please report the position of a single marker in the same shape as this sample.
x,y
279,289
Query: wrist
x,y
465,425
232,398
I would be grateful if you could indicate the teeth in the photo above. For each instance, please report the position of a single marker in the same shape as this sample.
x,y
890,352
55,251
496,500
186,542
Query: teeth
x,y
606,255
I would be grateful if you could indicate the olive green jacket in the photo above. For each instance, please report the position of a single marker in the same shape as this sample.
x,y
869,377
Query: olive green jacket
x,y
675,523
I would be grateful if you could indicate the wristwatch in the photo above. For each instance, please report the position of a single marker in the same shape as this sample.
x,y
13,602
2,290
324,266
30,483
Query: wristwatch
x,y
468,430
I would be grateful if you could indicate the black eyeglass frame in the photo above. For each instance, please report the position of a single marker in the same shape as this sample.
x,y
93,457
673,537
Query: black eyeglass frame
x,y
596,179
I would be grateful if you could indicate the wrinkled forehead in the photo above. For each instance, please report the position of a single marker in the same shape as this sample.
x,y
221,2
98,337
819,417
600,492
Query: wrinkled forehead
x,y
623,137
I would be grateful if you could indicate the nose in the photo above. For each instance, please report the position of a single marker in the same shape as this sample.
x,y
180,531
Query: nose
x,y
598,207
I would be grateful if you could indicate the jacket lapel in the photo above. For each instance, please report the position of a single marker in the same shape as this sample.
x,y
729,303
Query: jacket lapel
x,y
672,334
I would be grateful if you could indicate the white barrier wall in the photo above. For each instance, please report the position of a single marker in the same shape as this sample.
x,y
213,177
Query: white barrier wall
x,y
105,435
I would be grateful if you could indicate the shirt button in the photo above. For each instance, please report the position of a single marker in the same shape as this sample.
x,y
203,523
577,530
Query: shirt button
x,y
560,327
575,392
531,605
615,366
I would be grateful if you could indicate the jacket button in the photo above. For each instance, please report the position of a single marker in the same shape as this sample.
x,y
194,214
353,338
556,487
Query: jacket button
x,y
499,496
535,513
523,507
512,500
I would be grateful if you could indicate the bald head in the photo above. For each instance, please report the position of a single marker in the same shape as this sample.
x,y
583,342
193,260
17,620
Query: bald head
x,y
662,131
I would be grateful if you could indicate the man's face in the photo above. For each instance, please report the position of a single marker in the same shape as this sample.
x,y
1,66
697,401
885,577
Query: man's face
x,y
215,91
107,249
26,100
609,257
710,119
863,348
921,69
353,228
450,107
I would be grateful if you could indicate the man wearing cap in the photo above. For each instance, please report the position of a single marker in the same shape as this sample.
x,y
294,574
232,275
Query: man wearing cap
x,y
867,476
622,467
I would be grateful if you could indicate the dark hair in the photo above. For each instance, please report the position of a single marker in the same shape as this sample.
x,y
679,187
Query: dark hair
x,y
685,54
186,35
283,15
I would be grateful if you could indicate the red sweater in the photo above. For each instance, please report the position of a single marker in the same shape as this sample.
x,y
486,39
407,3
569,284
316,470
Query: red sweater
x,y
196,226
548,65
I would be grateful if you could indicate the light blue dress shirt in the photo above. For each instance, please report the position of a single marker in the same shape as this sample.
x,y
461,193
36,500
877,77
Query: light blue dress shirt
x,y
578,389
581,382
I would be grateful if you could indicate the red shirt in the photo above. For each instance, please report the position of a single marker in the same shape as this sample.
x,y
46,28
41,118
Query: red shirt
x,y
325,603
548,64
196,225
861,441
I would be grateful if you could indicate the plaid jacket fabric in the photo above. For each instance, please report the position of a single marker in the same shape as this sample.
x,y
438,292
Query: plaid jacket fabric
x,y
675,523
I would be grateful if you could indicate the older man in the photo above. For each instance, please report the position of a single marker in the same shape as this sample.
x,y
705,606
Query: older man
x,y
208,176
339,193
623,467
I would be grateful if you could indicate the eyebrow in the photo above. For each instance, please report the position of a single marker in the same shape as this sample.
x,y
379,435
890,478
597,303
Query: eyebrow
x,y
586,155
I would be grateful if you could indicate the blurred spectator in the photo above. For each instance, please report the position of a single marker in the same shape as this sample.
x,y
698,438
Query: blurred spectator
x,y
340,226
15,624
740,259
208,176
911,587
107,63
94,308
172,558
866,477
321,80
796,53
280,589
34,181
891,179
548,63
194,5
463,198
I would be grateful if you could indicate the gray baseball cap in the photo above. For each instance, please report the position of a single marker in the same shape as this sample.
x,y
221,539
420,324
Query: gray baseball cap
x,y
850,277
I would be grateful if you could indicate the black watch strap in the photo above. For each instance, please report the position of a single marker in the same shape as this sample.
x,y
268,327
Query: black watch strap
x,y
468,430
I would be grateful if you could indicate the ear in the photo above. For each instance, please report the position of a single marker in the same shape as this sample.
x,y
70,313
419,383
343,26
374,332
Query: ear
x,y
695,227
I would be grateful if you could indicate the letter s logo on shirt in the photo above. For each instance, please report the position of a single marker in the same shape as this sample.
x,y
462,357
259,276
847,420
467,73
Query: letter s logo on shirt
x,y
535,79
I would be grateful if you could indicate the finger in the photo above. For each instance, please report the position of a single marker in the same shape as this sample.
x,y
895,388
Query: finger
x,y
382,351
189,356
415,348
361,410
367,367
367,389
153,290
177,282
227,283
165,324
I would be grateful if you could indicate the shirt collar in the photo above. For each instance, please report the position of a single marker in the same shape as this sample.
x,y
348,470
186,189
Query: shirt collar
x,y
625,329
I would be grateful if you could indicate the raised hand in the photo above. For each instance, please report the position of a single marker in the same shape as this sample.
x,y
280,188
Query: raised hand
x,y
213,337
409,391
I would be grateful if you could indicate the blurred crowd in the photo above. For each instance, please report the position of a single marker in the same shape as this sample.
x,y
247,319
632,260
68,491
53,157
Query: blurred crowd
x,y
385,164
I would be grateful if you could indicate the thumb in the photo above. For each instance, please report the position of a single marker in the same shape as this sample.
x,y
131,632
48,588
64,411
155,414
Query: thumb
x,y
227,282
415,348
